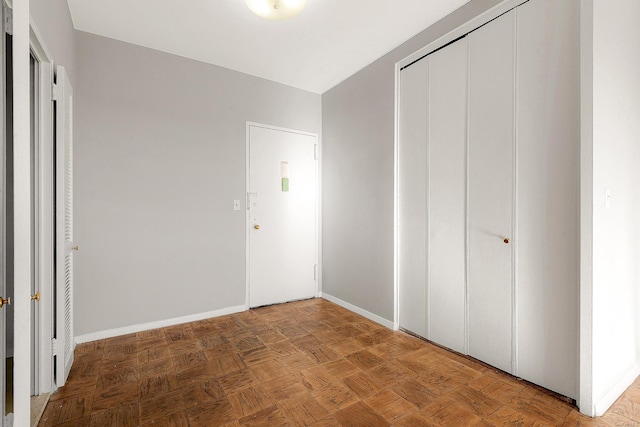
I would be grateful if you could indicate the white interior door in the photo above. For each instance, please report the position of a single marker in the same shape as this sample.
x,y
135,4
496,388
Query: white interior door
x,y
491,176
447,195
412,198
64,227
282,215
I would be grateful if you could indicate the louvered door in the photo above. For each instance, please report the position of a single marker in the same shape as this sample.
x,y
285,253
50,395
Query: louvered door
x,y
64,227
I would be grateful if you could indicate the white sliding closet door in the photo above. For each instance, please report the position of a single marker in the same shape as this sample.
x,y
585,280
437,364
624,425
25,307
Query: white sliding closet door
x,y
447,172
412,198
491,174
548,189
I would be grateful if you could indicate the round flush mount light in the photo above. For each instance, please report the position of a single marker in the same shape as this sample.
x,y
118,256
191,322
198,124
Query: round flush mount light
x,y
276,9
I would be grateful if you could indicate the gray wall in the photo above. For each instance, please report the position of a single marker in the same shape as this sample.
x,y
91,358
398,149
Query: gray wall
x,y
357,186
159,159
53,20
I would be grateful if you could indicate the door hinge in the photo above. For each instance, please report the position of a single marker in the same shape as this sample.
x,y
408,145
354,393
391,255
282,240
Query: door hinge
x,y
54,348
54,92
315,152
315,272
8,20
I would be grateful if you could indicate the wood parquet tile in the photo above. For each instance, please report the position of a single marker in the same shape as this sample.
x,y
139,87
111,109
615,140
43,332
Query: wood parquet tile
x,y
307,363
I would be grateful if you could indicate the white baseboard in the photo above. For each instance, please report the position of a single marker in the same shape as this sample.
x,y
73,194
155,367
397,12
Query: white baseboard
x,y
616,391
358,310
110,333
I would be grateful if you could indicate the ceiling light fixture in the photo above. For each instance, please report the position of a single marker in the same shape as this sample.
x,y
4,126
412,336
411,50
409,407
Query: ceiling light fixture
x,y
276,9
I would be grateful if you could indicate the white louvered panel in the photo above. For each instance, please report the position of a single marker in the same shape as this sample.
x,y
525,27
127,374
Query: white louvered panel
x,y
68,174
68,312
64,228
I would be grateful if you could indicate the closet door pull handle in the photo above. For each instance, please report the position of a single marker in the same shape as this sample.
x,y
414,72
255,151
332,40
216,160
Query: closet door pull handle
x,y
506,240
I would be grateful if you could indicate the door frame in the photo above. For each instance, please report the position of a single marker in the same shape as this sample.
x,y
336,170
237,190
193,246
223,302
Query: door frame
x,y
42,240
248,127
44,381
22,212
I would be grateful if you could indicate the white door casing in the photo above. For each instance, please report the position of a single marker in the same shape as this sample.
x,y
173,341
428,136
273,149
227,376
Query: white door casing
x,y
22,212
45,380
64,227
282,200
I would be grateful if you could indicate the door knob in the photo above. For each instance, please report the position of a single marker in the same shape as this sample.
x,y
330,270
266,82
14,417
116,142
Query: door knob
x,y
257,227
4,302
506,240
36,297
75,248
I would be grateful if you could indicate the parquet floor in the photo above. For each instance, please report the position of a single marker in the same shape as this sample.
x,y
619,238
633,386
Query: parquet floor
x,y
308,363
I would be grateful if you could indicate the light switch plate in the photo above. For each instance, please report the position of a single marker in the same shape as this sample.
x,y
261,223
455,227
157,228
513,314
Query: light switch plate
x,y
236,205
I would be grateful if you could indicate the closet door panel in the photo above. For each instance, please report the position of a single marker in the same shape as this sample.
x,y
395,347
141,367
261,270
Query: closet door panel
x,y
548,107
491,138
447,195
412,198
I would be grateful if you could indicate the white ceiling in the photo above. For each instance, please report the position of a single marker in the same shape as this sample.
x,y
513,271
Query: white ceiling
x,y
328,42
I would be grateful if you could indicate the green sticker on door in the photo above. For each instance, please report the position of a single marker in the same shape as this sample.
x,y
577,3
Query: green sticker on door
x,y
284,175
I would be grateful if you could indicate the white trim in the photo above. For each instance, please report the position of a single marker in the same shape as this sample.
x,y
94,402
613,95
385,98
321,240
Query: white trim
x,y
45,237
514,205
247,218
22,216
467,226
319,246
44,330
300,132
38,46
427,220
462,30
362,312
585,395
46,226
396,201
116,332
601,406
248,126
38,226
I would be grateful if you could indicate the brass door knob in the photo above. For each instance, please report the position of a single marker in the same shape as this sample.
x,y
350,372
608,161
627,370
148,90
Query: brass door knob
x,y
75,248
4,302
257,227
506,240
36,297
